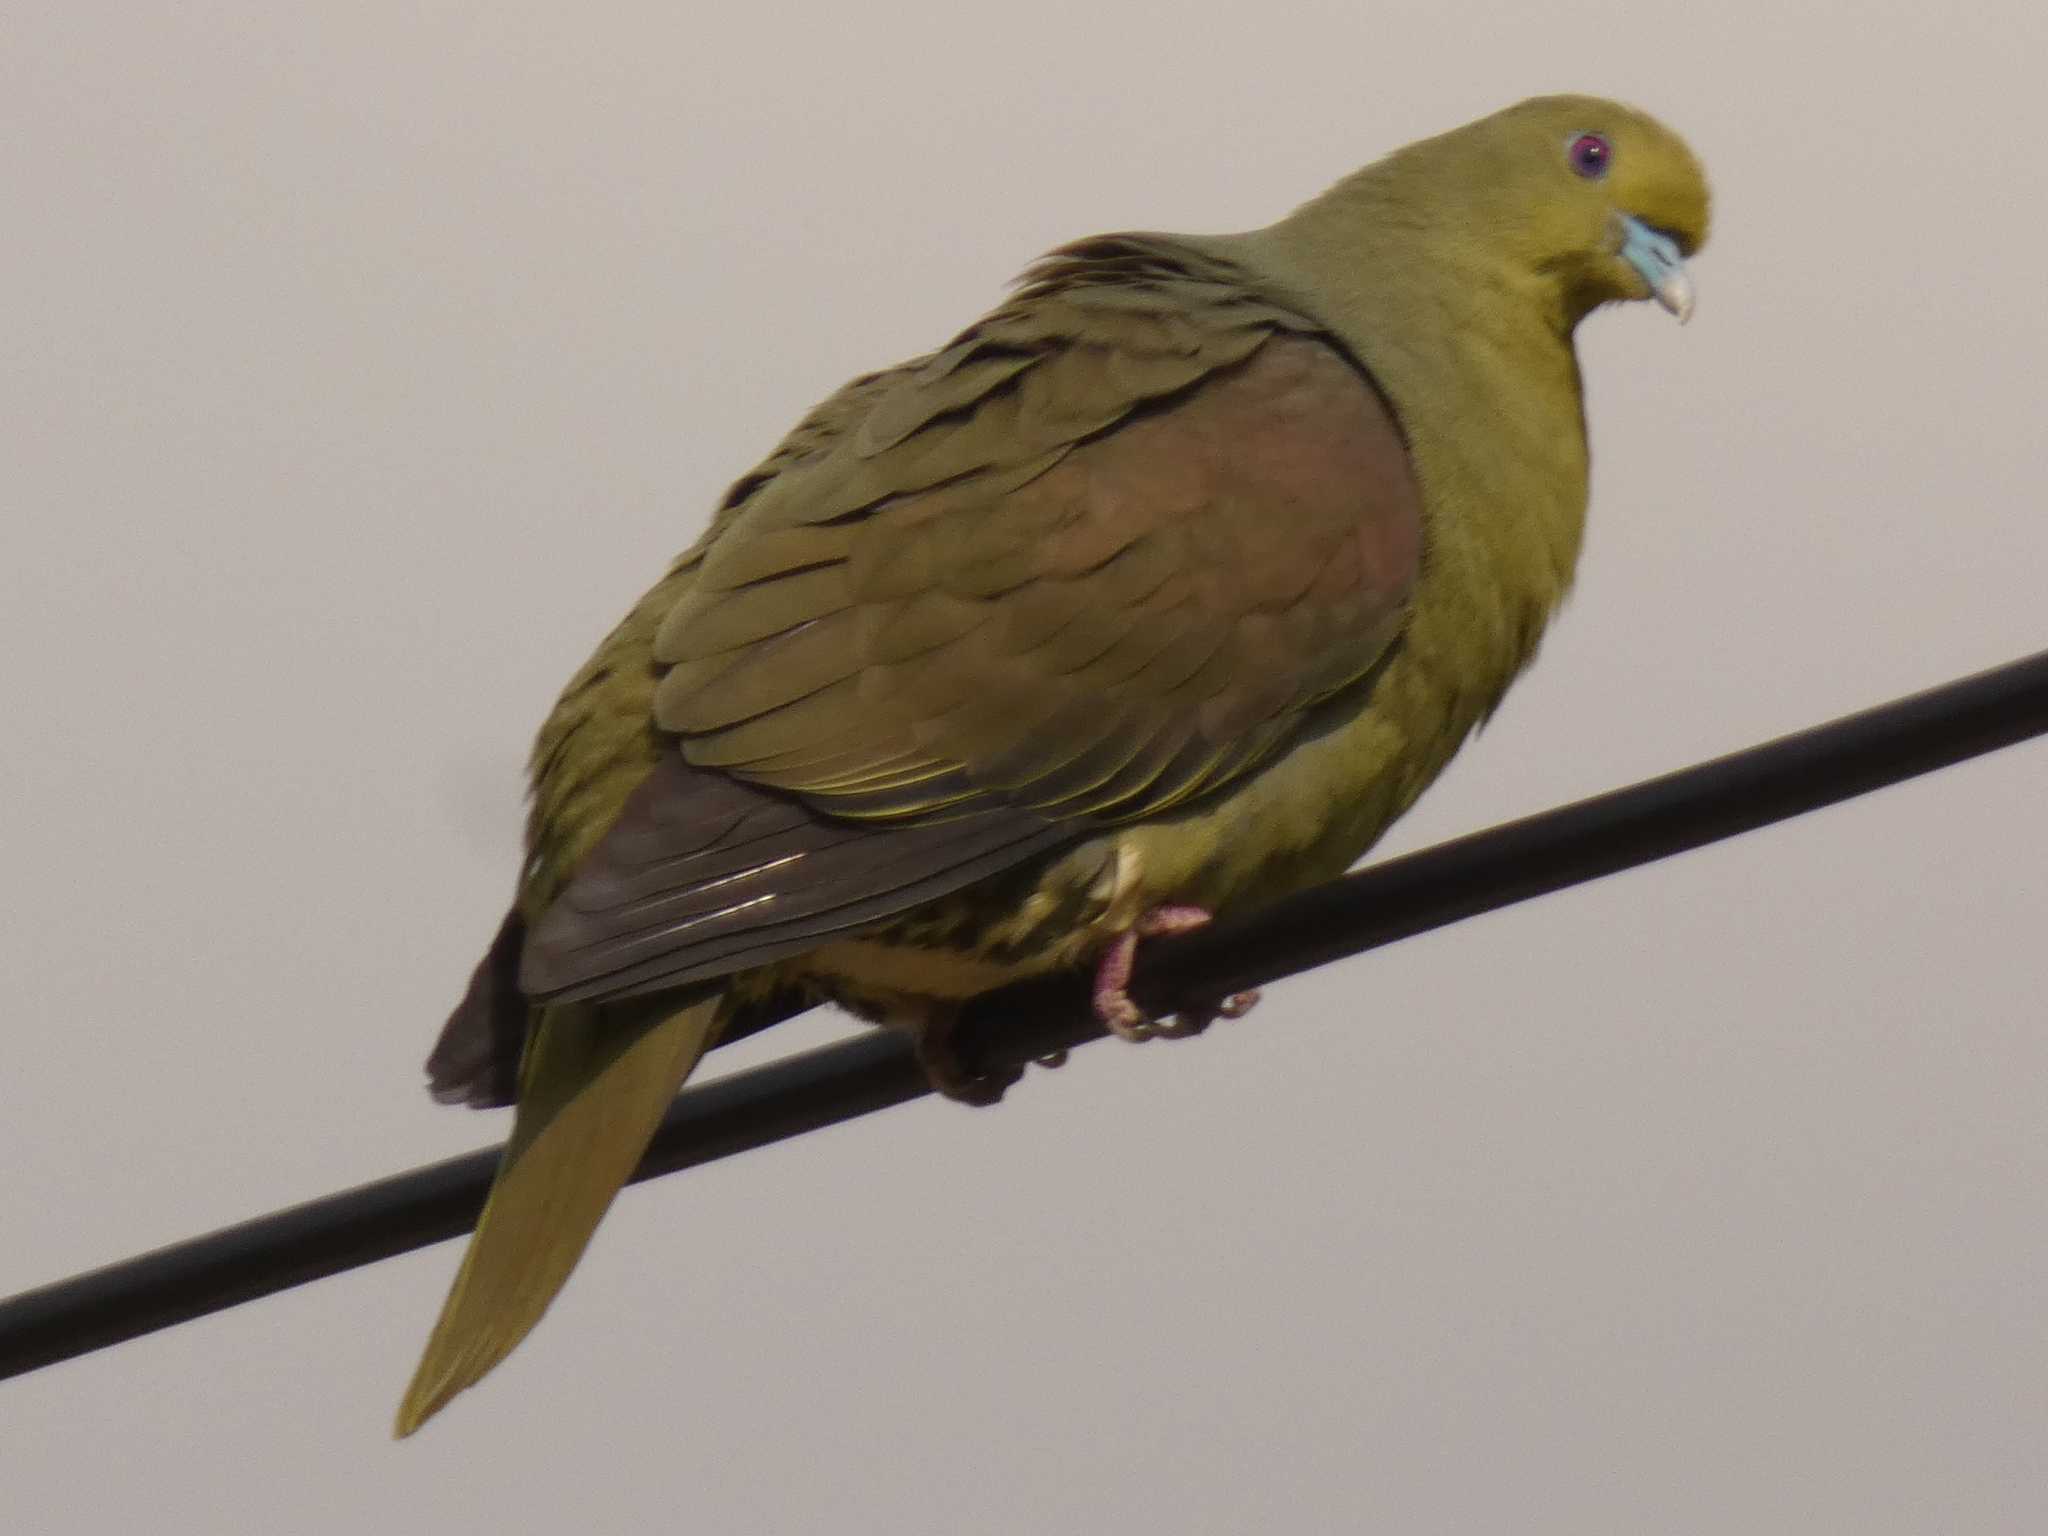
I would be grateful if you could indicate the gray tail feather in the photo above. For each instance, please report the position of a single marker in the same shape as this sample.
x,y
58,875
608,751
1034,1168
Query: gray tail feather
x,y
476,1060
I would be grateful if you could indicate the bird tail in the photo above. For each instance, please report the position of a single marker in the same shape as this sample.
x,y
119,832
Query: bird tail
x,y
596,1083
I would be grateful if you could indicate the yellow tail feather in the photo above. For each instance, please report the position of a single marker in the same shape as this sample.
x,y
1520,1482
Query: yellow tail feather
x,y
596,1083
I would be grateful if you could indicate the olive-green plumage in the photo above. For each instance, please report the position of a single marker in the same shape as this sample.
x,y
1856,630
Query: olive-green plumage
x,y
1172,581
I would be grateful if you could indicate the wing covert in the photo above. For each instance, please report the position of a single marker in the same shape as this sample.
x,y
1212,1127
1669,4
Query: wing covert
x,y
1104,553
1068,564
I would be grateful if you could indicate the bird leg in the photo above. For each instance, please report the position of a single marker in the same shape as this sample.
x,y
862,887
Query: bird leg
x,y
1113,1003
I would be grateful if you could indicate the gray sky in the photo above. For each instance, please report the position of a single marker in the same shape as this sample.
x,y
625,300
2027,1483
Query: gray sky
x,y
363,362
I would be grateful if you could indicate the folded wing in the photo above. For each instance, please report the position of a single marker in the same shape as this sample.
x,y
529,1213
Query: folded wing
x,y
1101,555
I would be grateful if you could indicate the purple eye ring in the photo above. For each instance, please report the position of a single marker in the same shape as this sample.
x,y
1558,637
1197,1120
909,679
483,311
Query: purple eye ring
x,y
1590,155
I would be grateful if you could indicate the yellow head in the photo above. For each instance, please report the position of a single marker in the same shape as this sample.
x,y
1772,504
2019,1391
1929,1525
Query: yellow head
x,y
1574,200
1598,198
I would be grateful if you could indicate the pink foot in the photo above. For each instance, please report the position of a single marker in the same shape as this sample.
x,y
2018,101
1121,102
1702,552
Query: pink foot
x,y
1113,1004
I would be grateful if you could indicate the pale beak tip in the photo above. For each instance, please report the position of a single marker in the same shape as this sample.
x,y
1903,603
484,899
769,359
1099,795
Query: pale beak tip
x,y
1676,294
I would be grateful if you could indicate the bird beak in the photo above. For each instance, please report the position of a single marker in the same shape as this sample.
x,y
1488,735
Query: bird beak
x,y
1656,256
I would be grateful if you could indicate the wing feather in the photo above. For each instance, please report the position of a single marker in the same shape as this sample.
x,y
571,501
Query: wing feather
x,y
1106,552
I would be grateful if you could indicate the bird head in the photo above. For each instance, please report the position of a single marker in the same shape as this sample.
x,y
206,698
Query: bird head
x,y
1572,201
1597,199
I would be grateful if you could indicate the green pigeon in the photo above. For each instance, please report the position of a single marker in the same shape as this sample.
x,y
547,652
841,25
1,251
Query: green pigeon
x,y
1160,591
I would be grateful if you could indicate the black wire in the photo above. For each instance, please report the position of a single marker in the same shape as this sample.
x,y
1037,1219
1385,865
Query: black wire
x,y
1376,906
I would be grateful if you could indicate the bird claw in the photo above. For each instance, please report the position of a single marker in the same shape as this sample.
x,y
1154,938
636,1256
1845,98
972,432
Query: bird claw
x,y
1113,1003
1192,1021
931,1028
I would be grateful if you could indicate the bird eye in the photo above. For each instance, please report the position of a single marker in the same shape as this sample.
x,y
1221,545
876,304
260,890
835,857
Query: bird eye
x,y
1589,155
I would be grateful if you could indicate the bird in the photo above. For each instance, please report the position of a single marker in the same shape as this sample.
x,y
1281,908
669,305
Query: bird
x,y
1159,591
